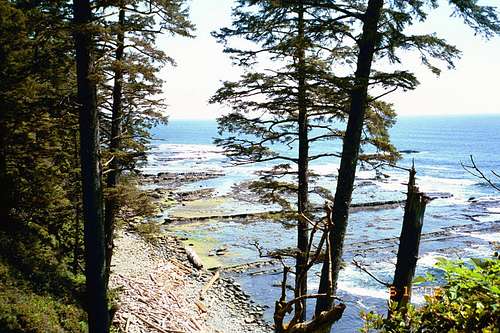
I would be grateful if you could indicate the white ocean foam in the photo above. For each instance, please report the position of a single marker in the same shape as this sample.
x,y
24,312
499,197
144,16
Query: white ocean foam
x,y
356,289
494,210
188,151
429,259
358,283
366,174
488,199
392,185
489,237
366,292
480,251
488,218
187,147
429,184
432,182
325,169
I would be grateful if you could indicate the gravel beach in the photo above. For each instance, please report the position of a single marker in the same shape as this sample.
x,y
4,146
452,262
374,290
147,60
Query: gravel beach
x,y
160,291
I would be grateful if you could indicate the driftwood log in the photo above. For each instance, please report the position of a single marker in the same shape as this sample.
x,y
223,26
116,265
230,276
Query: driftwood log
x,y
194,258
212,280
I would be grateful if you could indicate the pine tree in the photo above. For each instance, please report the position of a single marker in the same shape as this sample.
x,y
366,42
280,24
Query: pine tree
x,y
37,114
382,36
130,106
38,119
297,103
94,236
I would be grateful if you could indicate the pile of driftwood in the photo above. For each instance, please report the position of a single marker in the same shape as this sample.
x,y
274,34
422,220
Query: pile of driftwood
x,y
157,303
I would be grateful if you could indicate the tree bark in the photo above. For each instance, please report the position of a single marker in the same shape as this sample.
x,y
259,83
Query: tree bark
x,y
76,198
115,143
4,192
350,150
92,202
409,243
303,161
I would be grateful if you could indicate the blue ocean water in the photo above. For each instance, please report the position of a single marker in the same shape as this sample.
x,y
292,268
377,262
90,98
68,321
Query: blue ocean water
x,y
442,143
465,220
443,140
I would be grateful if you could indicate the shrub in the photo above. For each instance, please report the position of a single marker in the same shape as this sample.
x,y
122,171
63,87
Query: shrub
x,y
468,302
23,310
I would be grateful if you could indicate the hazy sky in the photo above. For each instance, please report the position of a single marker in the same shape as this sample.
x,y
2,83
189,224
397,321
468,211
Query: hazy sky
x,y
472,88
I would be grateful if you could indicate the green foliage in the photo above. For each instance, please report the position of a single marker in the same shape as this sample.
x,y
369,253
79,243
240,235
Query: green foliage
x,y
142,108
300,77
24,311
37,294
38,171
468,302
133,201
41,234
148,230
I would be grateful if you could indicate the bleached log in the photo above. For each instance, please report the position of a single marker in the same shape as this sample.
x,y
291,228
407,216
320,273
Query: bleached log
x,y
194,258
214,278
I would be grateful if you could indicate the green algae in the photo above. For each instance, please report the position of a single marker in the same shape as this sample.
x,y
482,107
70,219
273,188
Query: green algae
x,y
199,208
202,246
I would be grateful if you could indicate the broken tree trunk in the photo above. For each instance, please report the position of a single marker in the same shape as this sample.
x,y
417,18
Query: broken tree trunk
x,y
409,243
209,284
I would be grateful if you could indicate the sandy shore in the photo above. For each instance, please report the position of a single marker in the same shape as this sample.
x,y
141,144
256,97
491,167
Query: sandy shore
x,y
159,291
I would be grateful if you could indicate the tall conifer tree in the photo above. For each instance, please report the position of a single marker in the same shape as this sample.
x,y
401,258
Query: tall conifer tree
x,y
298,102
382,35
129,105
93,213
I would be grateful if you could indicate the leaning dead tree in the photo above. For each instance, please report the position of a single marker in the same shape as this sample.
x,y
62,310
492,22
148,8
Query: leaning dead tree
x,y
409,243
284,307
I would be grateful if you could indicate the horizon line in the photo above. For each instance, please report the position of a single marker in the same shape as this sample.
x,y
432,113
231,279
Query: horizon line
x,y
173,118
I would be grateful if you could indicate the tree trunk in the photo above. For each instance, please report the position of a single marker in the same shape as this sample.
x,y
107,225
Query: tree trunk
x,y
303,189
409,242
350,150
4,192
76,198
115,143
94,237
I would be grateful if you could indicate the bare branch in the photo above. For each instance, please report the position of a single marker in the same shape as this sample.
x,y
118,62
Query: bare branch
x,y
361,267
474,170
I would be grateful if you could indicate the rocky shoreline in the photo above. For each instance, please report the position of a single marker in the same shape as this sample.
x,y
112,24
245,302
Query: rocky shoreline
x,y
144,272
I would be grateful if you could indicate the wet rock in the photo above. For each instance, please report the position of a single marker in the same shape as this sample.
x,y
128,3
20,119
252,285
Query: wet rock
x,y
221,251
155,195
438,195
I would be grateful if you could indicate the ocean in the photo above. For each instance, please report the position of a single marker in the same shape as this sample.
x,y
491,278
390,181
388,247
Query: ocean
x,y
462,223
